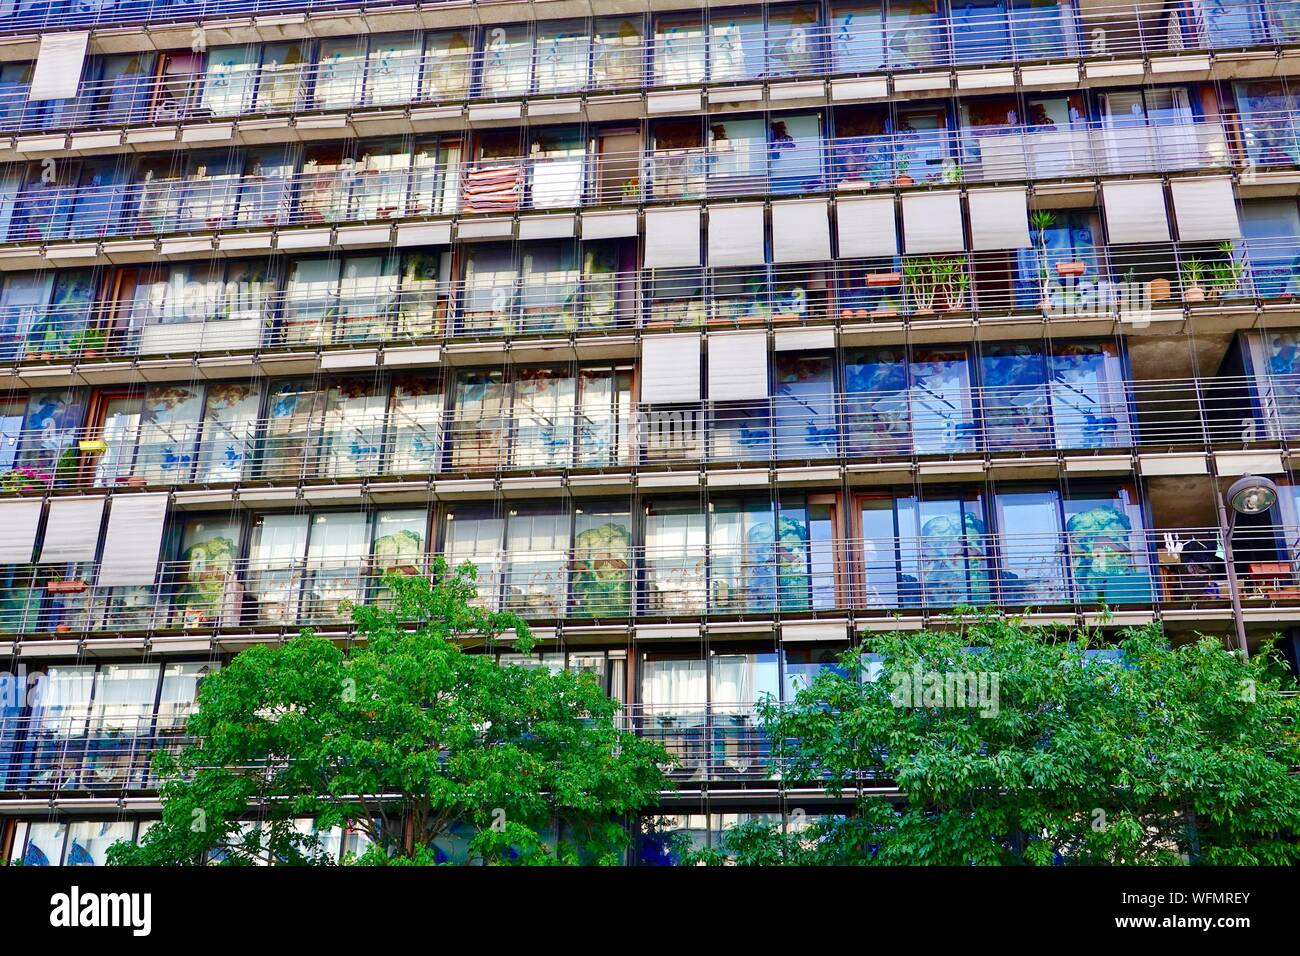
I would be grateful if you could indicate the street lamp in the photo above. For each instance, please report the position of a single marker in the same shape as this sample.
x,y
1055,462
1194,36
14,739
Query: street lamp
x,y
1249,495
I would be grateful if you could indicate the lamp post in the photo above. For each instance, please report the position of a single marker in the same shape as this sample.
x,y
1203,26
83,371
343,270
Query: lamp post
x,y
1248,495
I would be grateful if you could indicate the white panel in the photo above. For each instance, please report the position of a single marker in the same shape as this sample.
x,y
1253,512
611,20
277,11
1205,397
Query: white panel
x,y
737,366
932,222
1135,211
58,66
1205,208
18,521
546,227
424,234
672,237
801,231
670,368
999,218
795,340
736,235
135,528
608,225
866,227
72,530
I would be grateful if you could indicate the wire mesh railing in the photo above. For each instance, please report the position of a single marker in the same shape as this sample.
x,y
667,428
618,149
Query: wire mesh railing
x,y
223,195
1098,555
899,410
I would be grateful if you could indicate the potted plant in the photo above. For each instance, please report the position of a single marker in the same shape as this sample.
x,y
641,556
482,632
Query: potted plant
x,y
919,283
956,282
903,179
1225,274
950,172
1192,272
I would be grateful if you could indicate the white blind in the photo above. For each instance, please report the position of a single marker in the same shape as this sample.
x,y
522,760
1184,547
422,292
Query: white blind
x,y
736,235
932,222
18,521
608,225
1135,211
72,530
737,366
672,237
670,368
135,528
999,218
866,227
58,66
801,231
1205,208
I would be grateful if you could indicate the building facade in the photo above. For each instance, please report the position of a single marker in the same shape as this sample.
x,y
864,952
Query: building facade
x,y
714,337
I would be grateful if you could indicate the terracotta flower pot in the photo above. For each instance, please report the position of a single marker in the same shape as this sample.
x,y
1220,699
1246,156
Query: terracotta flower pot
x,y
1194,294
1071,270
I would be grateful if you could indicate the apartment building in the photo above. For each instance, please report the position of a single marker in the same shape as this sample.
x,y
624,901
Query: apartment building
x,y
714,337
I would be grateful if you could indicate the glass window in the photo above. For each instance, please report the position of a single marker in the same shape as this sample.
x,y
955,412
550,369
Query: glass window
x,y
279,544
1032,549
230,79
794,40
507,60
340,72
352,429
415,426
392,69
676,559
602,562
805,405
208,587
475,535
1108,548
400,540
537,545
680,53
618,53
336,551
229,421
544,408
1089,400
448,55
736,44
480,420
563,51
1014,398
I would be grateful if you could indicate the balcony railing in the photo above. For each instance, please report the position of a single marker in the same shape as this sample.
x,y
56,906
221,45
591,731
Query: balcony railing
x,y
1126,281
97,750
1077,410
683,53
80,749
368,192
1101,559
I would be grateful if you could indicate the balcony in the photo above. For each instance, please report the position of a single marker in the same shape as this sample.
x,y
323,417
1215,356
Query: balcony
x,y
680,51
1101,559
390,189
1103,282
1076,411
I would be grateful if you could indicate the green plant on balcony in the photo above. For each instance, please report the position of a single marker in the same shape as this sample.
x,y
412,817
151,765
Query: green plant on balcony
x,y
919,285
88,342
950,172
1192,273
1225,273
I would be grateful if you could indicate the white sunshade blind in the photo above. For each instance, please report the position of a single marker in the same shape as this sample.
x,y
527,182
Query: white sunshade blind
x,y
18,522
999,218
1135,211
866,227
135,528
801,231
737,366
932,223
72,530
672,237
736,235
58,66
1205,208
670,368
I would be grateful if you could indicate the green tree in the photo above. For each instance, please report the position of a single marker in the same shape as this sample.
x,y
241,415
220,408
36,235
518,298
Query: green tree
x,y
1160,756
402,734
